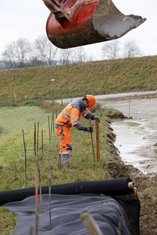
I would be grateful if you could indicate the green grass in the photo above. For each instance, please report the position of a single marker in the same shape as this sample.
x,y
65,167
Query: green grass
x,y
12,121
30,84
12,151
12,168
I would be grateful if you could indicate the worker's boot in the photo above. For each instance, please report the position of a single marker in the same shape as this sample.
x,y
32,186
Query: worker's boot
x,y
65,159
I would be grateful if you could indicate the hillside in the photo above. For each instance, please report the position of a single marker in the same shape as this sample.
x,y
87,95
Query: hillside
x,y
100,77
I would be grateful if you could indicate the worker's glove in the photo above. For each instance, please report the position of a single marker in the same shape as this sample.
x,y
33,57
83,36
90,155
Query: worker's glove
x,y
96,118
88,129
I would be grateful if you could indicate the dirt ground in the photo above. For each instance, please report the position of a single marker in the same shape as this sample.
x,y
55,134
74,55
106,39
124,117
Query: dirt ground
x,y
146,189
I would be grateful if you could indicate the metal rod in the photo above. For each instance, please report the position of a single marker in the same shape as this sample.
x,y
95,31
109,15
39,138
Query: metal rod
x,y
129,108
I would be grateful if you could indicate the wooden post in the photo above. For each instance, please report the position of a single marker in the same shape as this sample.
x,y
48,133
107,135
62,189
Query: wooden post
x,y
92,143
31,230
49,128
35,138
49,170
37,205
25,155
49,202
90,223
42,144
36,153
97,140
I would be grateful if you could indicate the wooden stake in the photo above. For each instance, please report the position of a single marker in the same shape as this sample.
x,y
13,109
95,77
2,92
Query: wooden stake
x,y
49,128
53,123
49,169
37,148
97,140
25,155
36,152
37,205
92,143
35,138
50,220
42,144
39,178
31,231
90,223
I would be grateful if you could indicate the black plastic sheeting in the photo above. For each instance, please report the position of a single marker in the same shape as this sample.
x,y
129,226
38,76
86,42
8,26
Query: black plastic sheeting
x,y
110,187
65,211
113,205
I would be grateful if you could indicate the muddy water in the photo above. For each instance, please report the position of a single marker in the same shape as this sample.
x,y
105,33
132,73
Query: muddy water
x,y
136,136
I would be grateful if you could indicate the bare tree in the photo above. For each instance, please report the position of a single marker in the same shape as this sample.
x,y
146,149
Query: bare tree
x,y
44,50
23,49
131,49
17,52
8,55
110,50
79,54
65,56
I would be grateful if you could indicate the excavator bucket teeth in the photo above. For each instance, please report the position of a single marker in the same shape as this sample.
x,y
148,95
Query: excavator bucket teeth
x,y
81,22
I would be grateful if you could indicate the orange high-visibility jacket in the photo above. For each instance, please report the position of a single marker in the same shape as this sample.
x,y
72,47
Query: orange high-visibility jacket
x,y
71,114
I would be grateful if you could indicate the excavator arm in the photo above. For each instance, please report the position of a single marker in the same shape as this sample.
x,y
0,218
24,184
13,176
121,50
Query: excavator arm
x,y
73,23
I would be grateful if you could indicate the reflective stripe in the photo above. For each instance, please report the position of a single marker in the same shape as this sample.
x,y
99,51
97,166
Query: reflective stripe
x,y
59,126
69,115
86,112
74,119
66,113
66,116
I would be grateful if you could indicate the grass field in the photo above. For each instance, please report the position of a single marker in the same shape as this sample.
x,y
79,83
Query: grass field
x,y
12,164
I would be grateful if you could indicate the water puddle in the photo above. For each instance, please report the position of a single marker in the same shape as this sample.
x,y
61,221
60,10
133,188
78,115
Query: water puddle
x,y
134,145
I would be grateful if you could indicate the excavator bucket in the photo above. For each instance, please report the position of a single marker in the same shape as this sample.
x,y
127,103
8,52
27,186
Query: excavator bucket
x,y
73,23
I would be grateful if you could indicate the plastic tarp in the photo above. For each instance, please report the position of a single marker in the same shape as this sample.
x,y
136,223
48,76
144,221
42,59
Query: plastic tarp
x,y
65,211
115,214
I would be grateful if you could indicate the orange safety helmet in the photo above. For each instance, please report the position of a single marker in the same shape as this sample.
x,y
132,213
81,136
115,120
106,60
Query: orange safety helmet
x,y
91,100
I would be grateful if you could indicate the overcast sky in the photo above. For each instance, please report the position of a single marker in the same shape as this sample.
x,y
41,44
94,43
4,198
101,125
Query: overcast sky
x,y
27,19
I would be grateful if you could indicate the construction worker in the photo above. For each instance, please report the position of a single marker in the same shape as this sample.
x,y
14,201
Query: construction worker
x,y
69,117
